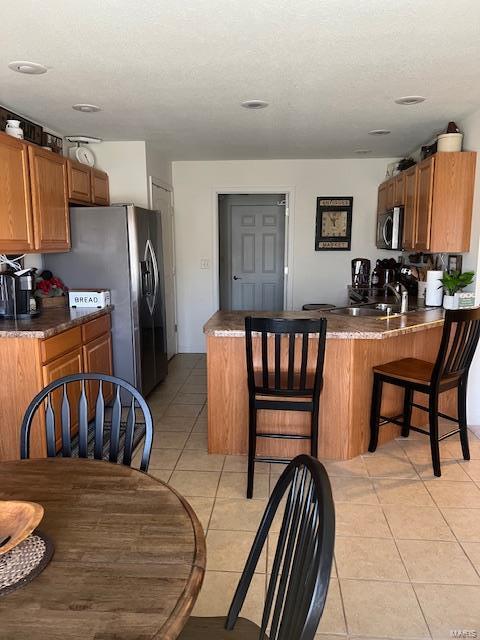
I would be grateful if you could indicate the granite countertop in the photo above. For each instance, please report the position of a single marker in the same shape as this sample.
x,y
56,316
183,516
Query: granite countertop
x,y
49,322
225,324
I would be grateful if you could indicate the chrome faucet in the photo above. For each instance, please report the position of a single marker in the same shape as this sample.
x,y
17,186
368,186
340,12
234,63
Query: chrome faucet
x,y
401,294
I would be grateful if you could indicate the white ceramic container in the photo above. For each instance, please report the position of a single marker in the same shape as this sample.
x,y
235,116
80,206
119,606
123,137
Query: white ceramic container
x,y
13,128
450,302
450,142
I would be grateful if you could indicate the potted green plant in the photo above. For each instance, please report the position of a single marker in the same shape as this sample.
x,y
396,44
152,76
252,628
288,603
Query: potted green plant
x,y
452,284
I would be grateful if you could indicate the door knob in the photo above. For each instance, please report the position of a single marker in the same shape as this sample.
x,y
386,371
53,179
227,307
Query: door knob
x,y
236,278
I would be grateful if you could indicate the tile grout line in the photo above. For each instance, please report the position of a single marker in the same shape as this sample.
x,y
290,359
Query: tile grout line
x,y
424,616
204,404
192,428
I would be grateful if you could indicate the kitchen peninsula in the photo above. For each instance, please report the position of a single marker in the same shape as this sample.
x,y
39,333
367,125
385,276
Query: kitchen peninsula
x,y
354,346
35,352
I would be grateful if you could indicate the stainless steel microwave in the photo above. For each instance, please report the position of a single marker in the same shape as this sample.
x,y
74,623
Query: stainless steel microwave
x,y
390,229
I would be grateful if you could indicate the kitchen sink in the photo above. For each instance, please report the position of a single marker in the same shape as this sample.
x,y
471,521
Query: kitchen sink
x,y
362,311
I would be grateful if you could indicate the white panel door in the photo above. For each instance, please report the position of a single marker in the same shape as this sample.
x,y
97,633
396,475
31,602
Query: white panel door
x,y
257,254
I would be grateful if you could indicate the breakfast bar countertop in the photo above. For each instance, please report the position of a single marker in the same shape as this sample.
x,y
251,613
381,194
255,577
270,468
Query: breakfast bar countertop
x,y
224,324
50,322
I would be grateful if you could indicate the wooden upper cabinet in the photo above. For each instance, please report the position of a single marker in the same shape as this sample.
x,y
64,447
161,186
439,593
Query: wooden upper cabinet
x,y
424,203
390,193
79,182
452,201
437,195
399,190
48,176
382,198
16,224
409,211
100,189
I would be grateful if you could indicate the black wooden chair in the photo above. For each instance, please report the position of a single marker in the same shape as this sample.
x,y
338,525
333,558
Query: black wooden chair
x,y
282,380
112,416
298,585
461,332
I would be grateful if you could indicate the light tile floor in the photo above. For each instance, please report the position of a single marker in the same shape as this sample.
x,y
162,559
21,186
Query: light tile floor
x,y
407,560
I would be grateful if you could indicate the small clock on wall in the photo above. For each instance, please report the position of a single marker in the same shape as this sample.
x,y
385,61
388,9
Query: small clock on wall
x,y
333,229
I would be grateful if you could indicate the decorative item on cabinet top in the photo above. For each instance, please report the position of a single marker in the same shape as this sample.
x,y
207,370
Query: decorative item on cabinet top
x,y
333,229
31,132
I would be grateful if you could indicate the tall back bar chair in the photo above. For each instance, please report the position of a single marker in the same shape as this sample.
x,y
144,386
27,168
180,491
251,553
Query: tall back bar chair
x,y
461,332
284,373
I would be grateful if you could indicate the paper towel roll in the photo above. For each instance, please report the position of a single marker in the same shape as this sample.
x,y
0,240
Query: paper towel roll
x,y
434,293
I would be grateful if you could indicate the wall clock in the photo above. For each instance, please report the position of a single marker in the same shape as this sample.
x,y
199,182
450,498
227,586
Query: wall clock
x,y
333,229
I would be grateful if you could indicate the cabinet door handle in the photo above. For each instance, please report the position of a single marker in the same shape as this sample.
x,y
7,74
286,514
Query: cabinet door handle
x,y
236,277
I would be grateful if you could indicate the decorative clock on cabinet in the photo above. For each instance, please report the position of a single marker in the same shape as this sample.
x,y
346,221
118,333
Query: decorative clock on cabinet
x,y
333,229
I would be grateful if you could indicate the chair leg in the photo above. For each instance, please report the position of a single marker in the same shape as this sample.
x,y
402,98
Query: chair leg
x,y
434,444
252,445
314,433
407,411
375,411
462,418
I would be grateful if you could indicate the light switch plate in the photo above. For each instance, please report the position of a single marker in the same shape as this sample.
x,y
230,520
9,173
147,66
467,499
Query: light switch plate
x,y
204,263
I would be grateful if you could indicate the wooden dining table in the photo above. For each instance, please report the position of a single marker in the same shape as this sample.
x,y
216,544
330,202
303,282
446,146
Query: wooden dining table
x,y
129,555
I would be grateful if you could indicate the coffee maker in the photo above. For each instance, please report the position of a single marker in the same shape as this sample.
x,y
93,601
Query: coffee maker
x,y
17,299
360,273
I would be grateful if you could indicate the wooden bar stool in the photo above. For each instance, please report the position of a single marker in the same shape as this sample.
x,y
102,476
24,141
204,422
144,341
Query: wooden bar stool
x,y
461,332
279,381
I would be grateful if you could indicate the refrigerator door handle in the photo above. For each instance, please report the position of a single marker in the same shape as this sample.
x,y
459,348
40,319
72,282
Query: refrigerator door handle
x,y
145,276
150,259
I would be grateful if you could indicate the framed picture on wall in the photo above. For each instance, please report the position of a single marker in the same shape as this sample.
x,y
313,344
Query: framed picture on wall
x,y
454,262
333,228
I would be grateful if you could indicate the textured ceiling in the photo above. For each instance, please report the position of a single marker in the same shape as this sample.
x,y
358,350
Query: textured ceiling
x,y
175,72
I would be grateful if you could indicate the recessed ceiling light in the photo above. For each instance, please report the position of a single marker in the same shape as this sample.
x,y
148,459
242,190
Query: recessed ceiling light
x,y
254,104
407,100
379,132
30,68
362,152
86,108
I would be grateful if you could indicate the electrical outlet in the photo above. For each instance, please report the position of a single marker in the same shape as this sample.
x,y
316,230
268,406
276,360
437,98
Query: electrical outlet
x,y
204,263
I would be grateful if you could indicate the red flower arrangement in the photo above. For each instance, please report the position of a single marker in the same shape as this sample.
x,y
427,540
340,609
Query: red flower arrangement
x,y
49,286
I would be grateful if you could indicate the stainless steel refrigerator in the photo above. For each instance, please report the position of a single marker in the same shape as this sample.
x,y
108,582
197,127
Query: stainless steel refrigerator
x,y
120,248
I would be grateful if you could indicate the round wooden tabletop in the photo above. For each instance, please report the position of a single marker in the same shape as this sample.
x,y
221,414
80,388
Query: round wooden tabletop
x,y
129,554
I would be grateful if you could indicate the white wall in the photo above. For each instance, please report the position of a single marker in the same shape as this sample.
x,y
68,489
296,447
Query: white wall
x,y
317,276
125,163
471,261
157,166
129,165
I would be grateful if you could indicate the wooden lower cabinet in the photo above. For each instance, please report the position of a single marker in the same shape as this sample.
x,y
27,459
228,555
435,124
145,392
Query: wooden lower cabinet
x,y
66,365
97,357
86,348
